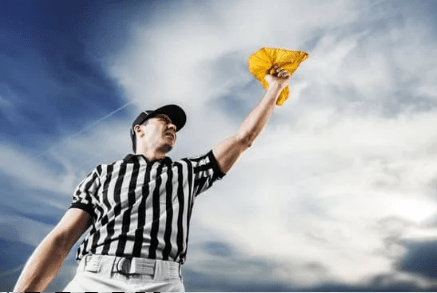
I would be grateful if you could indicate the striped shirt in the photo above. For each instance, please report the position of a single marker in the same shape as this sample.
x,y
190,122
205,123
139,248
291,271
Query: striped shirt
x,y
141,208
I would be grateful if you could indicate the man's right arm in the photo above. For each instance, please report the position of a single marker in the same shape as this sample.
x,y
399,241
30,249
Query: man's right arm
x,y
228,151
47,259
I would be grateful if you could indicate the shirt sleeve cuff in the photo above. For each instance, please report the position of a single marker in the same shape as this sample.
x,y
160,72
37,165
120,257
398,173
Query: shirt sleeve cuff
x,y
84,207
218,174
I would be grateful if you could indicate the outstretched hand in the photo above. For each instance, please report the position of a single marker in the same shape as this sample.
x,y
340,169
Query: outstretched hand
x,y
278,76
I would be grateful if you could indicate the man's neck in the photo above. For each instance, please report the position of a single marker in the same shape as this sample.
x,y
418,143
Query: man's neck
x,y
151,156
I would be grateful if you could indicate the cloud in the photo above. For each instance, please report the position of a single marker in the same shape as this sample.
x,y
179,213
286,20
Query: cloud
x,y
325,198
168,59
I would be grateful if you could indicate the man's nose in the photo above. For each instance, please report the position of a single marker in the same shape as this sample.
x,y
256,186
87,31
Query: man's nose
x,y
171,126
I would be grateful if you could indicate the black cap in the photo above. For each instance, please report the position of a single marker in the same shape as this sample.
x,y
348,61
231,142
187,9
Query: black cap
x,y
174,112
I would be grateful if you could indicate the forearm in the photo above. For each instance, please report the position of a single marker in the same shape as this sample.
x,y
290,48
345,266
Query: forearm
x,y
257,119
43,266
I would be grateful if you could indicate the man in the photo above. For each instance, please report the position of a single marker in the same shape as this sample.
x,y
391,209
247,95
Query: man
x,y
139,208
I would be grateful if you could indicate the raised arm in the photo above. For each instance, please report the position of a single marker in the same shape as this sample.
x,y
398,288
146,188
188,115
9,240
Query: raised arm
x,y
228,151
46,261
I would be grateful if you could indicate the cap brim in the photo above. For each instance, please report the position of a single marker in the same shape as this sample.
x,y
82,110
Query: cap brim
x,y
174,112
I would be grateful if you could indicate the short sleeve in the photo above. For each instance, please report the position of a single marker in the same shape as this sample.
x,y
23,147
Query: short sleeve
x,y
85,194
205,172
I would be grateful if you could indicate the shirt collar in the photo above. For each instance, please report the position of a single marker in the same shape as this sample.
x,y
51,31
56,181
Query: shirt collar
x,y
132,158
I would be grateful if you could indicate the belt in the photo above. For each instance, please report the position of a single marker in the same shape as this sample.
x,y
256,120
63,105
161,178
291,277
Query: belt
x,y
135,265
130,265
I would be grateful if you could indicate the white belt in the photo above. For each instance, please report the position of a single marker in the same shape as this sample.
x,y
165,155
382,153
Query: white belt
x,y
130,265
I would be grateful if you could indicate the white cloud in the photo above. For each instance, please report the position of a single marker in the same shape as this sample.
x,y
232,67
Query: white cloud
x,y
326,196
61,167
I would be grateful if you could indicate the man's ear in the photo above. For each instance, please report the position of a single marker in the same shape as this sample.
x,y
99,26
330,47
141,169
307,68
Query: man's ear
x,y
137,129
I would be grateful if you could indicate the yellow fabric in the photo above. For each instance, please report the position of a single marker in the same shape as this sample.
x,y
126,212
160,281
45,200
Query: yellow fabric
x,y
261,62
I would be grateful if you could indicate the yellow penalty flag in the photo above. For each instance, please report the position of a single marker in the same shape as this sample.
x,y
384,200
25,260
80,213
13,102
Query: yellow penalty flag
x,y
262,61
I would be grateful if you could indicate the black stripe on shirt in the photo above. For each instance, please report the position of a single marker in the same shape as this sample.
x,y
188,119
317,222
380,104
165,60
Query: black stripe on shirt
x,y
142,214
117,208
127,213
189,207
96,236
181,201
156,214
169,209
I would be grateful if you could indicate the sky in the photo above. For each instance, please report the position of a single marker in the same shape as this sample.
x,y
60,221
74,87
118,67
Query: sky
x,y
337,194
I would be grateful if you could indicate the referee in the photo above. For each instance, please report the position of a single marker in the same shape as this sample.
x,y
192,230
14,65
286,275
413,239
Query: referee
x,y
139,208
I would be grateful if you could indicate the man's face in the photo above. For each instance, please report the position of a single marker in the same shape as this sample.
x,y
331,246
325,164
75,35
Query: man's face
x,y
159,133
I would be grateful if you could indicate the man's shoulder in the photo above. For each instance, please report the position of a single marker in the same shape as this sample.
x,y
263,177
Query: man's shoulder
x,y
105,166
198,158
204,154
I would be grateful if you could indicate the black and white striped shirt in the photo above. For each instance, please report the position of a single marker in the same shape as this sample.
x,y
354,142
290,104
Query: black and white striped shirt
x,y
141,208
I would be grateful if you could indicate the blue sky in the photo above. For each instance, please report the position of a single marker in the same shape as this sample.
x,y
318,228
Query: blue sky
x,y
339,191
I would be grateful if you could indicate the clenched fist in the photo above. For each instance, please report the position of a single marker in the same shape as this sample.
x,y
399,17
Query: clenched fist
x,y
278,75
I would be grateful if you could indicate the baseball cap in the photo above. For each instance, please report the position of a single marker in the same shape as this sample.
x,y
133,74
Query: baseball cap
x,y
174,112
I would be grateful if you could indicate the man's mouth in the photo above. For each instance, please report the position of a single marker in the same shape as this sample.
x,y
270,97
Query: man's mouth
x,y
171,134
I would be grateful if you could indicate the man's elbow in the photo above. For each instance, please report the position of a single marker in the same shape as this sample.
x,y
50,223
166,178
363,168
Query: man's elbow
x,y
245,140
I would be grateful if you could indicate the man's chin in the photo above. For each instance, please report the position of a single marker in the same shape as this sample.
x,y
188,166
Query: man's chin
x,y
167,148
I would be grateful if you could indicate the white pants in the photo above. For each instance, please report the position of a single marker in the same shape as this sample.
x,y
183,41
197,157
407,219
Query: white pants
x,y
117,274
